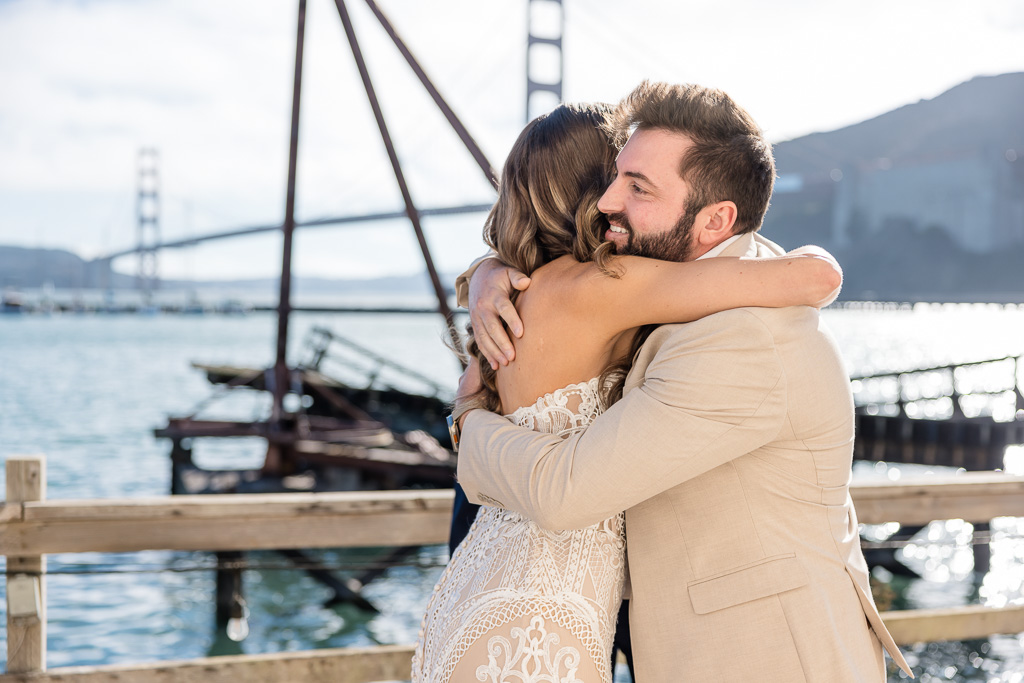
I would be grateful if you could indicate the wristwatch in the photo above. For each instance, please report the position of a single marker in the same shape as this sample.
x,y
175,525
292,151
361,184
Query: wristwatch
x,y
454,432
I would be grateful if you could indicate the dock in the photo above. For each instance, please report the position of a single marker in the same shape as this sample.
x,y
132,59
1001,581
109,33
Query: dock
x,y
943,415
33,527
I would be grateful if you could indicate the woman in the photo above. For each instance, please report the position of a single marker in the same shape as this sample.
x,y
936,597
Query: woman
x,y
517,602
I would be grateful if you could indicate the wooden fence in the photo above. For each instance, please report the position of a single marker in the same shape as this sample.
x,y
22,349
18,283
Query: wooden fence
x,y
32,527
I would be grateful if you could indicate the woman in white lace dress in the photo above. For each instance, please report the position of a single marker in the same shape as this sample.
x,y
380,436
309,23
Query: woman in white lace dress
x,y
518,603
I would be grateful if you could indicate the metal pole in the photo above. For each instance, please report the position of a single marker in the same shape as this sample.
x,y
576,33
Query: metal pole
x,y
410,208
281,382
467,139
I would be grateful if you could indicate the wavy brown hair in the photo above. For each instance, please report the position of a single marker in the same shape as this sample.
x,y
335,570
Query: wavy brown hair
x,y
558,168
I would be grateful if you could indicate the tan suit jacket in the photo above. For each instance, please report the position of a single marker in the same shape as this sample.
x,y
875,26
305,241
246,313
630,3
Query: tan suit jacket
x,y
731,453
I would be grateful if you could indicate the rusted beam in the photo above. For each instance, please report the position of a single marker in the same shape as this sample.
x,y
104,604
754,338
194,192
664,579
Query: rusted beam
x,y
410,207
284,302
460,130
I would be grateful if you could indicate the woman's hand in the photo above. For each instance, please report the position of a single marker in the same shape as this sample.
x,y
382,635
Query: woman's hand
x,y
490,302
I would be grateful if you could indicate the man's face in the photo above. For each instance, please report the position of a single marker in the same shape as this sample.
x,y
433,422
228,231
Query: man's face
x,y
645,202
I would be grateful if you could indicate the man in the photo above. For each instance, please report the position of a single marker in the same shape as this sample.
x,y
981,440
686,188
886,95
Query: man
x,y
731,448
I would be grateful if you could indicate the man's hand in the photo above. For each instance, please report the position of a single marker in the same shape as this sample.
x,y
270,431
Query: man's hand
x,y
490,290
469,384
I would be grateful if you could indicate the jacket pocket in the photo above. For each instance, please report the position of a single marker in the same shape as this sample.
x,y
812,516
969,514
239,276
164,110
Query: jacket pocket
x,y
760,579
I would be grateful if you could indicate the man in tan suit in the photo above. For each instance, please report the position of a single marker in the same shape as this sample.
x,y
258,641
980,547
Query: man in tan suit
x,y
732,445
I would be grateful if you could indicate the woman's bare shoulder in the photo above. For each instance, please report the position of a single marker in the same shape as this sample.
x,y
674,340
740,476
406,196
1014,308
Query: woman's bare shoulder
x,y
566,271
567,287
560,277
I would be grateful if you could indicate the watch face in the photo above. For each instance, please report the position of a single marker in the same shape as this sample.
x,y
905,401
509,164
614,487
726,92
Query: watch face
x,y
453,432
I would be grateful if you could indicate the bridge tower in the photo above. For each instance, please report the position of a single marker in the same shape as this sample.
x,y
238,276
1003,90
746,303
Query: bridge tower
x,y
544,63
147,211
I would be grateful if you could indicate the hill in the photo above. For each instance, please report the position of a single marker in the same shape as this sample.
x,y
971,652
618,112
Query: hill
x,y
925,202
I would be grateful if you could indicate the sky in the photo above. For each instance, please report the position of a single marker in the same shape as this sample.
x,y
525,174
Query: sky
x,y
85,83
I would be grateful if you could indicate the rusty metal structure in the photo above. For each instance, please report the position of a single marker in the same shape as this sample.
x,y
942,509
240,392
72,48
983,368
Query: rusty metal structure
x,y
918,416
376,431
286,426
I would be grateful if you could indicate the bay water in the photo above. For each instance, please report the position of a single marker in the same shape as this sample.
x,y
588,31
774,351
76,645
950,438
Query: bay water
x,y
88,390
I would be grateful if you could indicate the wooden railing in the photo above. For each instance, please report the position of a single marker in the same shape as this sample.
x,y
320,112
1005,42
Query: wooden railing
x,y
32,527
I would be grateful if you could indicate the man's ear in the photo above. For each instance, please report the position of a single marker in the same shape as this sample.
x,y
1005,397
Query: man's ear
x,y
715,223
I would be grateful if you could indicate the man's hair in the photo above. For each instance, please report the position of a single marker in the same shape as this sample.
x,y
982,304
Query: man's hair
x,y
729,161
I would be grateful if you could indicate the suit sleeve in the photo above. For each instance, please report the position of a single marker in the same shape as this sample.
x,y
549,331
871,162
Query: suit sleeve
x,y
462,281
714,391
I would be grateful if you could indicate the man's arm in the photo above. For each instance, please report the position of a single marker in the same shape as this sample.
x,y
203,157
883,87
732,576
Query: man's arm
x,y
714,391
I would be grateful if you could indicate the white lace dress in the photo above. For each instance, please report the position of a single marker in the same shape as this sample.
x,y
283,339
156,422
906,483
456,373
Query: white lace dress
x,y
521,604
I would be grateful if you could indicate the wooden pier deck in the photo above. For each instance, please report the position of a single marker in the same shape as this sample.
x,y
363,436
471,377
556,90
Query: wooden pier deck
x,y
33,527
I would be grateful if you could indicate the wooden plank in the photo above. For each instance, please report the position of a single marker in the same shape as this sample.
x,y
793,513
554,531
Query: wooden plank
x,y
1004,490
364,665
257,521
341,665
231,522
253,506
972,496
962,481
26,635
957,623
412,527
10,512
338,519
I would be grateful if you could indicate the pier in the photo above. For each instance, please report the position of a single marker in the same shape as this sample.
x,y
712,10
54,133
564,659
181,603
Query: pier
x,y
943,415
32,527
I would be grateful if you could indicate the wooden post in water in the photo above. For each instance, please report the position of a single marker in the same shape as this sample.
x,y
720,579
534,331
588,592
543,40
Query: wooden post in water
x,y
26,586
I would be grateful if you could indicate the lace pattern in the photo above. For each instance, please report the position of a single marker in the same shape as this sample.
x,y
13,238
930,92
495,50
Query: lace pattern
x,y
564,411
524,604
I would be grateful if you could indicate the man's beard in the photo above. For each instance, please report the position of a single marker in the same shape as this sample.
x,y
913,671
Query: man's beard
x,y
671,245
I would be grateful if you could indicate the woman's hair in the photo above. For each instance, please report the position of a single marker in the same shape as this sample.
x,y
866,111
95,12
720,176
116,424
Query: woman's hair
x,y
558,168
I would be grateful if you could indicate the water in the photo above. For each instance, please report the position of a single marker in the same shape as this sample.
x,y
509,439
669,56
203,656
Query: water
x,y
87,391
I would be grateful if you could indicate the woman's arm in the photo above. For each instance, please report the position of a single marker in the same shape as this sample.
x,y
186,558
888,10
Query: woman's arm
x,y
652,291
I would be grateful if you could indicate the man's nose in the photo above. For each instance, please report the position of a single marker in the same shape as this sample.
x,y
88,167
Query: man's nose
x,y
610,201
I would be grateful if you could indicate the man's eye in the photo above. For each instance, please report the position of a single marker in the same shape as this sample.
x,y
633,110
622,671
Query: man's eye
x,y
638,190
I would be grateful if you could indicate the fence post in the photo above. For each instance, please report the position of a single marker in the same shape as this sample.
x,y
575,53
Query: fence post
x,y
26,585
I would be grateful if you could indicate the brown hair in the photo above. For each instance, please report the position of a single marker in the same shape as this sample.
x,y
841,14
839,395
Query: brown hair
x,y
554,176
730,160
